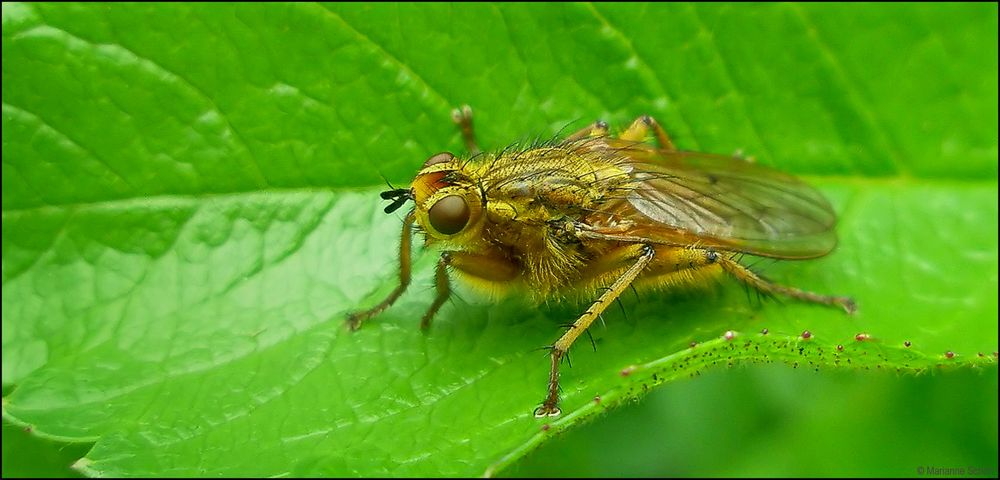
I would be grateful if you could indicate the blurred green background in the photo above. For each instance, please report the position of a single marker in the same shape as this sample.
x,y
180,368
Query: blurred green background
x,y
896,99
772,420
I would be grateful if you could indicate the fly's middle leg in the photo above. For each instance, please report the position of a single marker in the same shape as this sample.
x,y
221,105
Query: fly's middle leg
x,y
640,256
443,288
491,272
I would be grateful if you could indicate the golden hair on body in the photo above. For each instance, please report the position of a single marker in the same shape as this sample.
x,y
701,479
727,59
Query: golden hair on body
x,y
592,214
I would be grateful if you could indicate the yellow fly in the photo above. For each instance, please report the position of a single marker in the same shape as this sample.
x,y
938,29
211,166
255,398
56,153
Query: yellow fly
x,y
595,213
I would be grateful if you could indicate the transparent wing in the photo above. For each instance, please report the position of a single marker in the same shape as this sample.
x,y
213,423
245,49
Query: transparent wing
x,y
726,202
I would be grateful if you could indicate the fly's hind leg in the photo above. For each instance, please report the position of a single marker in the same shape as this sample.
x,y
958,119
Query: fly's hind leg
x,y
738,271
640,255
747,276
463,118
637,132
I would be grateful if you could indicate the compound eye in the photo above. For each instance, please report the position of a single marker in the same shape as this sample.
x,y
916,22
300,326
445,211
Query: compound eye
x,y
449,215
439,158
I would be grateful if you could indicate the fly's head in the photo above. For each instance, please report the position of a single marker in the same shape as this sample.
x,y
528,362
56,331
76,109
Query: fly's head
x,y
448,201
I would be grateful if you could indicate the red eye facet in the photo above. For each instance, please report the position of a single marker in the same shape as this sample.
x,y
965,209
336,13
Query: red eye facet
x,y
439,158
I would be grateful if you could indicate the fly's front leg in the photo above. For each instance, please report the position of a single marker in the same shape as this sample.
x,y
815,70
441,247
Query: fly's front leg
x,y
637,132
355,320
641,254
596,129
747,276
463,118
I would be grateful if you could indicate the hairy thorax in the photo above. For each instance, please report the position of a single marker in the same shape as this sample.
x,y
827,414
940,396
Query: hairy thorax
x,y
534,197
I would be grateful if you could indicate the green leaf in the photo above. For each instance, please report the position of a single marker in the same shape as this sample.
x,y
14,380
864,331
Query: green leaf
x,y
27,456
190,209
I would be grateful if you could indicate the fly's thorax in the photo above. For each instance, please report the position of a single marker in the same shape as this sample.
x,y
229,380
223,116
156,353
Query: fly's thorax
x,y
560,179
449,205
500,212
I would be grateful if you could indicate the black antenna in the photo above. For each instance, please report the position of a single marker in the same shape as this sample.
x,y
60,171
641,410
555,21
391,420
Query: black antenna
x,y
398,196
